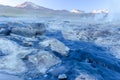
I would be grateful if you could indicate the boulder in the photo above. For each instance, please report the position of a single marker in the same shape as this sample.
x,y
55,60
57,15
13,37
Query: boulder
x,y
56,45
11,55
9,47
62,77
29,30
4,29
44,60
12,65
84,76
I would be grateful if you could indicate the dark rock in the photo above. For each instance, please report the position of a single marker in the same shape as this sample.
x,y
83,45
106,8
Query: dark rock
x,y
27,44
32,29
39,28
4,29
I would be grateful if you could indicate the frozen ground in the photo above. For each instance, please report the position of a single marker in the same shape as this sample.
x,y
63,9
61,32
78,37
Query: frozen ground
x,y
59,49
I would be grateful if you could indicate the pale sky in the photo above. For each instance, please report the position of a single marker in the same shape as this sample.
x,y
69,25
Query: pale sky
x,y
86,5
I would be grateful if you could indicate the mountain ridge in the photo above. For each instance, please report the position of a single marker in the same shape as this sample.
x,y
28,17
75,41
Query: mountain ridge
x,y
33,6
31,9
30,5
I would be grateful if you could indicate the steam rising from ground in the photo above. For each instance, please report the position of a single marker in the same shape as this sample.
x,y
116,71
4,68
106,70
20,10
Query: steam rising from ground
x,y
114,8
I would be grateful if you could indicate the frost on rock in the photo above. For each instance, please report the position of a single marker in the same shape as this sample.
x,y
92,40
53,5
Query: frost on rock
x,y
12,65
8,47
9,77
70,35
29,30
10,62
84,76
23,54
56,45
102,34
12,48
44,60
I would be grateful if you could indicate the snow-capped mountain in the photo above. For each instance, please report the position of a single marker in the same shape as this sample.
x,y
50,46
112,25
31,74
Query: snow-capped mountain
x,y
100,11
29,5
32,6
76,11
29,8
